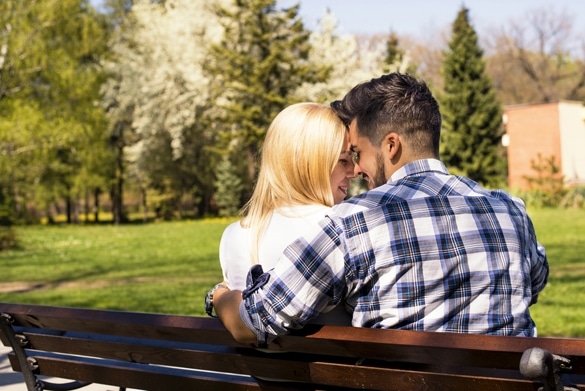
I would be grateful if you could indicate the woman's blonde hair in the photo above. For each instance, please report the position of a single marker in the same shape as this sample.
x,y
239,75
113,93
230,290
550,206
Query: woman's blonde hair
x,y
300,151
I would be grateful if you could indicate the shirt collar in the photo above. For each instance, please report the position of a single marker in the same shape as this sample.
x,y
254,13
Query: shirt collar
x,y
419,167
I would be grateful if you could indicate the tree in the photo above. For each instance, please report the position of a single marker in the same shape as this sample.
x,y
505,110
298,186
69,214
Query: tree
x,y
158,96
229,187
547,185
257,67
472,116
346,60
396,58
535,59
49,84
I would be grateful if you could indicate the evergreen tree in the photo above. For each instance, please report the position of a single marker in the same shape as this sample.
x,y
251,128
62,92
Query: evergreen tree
x,y
257,67
396,59
229,187
472,116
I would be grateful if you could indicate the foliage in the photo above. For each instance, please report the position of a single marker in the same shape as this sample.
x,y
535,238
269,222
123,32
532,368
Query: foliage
x,y
547,187
257,66
8,238
534,58
148,96
348,63
229,188
472,125
396,58
51,130
574,198
158,95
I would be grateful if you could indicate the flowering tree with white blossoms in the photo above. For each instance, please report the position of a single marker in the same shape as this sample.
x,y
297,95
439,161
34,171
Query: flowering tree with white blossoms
x,y
349,63
159,91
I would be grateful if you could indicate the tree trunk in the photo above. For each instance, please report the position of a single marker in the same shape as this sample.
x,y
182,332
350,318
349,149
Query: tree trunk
x,y
96,204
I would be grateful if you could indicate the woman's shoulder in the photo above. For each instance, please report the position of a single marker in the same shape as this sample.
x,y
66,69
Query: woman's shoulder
x,y
312,213
233,235
234,228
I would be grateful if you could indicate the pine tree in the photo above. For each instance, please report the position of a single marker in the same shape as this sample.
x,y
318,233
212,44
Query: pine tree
x,y
229,187
396,59
257,67
472,116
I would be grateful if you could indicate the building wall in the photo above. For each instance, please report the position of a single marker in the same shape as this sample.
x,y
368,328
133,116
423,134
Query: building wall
x,y
551,129
572,125
531,129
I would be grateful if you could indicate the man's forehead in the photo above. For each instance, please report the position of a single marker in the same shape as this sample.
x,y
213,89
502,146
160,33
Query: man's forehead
x,y
353,134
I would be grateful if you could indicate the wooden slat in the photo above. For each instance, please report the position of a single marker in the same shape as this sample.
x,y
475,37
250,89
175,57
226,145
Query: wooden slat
x,y
128,324
347,341
146,377
416,346
323,374
293,367
394,359
401,379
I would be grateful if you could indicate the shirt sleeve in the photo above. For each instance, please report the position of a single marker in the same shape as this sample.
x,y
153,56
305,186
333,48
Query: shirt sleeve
x,y
539,268
309,279
539,271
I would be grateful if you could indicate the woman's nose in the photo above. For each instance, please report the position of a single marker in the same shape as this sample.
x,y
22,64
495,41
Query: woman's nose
x,y
356,171
350,172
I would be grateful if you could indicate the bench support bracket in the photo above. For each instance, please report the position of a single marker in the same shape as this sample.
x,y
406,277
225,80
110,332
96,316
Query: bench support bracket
x,y
29,364
541,365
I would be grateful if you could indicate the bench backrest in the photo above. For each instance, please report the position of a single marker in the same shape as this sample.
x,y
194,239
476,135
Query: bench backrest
x,y
184,352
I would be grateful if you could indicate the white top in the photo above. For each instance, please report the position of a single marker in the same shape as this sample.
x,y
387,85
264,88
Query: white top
x,y
285,226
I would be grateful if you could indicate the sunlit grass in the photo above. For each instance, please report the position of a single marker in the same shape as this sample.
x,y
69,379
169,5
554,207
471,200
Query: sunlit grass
x,y
560,310
163,267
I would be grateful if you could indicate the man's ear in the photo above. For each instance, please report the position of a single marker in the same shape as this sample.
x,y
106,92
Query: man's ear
x,y
392,146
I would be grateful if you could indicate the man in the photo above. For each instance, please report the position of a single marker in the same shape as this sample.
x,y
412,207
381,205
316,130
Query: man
x,y
421,250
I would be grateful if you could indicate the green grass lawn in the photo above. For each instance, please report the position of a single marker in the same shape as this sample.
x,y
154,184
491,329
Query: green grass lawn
x,y
163,267
168,267
560,310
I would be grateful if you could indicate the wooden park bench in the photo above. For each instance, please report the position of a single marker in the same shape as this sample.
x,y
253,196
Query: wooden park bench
x,y
171,352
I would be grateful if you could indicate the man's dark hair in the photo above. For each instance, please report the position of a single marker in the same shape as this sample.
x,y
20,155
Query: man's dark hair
x,y
395,102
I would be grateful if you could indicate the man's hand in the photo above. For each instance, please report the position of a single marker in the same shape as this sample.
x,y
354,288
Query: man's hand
x,y
227,307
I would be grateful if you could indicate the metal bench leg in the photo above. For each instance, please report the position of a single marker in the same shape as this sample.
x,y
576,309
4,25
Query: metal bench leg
x,y
16,342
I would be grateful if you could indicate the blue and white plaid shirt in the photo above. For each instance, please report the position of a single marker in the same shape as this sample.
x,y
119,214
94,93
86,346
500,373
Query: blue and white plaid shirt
x,y
426,251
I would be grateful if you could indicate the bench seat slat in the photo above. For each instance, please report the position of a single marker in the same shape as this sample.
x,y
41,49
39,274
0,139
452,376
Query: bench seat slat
x,y
289,366
105,346
324,374
145,377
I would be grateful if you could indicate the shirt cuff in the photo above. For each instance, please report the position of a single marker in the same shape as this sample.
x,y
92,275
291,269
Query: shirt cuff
x,y
261,337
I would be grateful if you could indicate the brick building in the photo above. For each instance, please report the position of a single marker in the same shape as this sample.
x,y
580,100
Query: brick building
x,y
551,130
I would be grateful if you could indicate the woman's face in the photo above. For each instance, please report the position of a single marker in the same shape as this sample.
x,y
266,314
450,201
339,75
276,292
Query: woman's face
x,y
342,173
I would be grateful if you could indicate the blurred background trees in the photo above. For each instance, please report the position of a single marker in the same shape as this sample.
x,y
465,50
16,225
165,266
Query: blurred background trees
x,y
159,108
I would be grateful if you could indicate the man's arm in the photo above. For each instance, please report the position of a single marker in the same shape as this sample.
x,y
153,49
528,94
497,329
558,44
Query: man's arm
x,y
227,307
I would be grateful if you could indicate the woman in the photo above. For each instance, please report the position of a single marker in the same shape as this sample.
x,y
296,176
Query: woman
x,y
305,169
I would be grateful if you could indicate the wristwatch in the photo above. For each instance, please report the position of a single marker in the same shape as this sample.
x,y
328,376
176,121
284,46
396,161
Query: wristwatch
x,y
209,299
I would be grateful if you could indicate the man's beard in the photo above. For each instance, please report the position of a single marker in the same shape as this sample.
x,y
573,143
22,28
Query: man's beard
x,y
380,177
